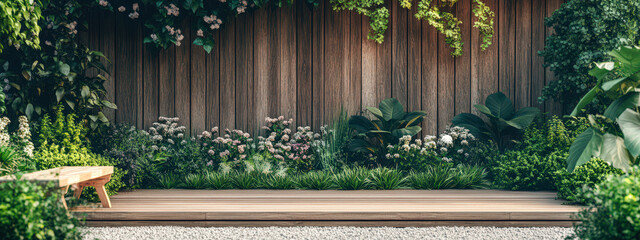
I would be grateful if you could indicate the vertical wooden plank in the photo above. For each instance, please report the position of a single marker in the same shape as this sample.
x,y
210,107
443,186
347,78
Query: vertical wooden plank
x,y
398,28
304,64
126,70
537,39
552,107
429,65
198,84
265,64
414,62
318,54
151,87
245,108
463,63
337,55
369,68
183,77
446,84
212,94
139,73
484,64
507,41
352,90
523,54
166,81
287,57
107,47
228,74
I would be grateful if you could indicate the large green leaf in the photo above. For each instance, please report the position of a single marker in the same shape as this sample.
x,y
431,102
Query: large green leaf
x,y
629,57
477,127
483,109
586,145
629,100
585,100
629,122
615,152
413,118
360,124
376,112
411,131
360,145
613,84
500,105
391,108
602,69
523,118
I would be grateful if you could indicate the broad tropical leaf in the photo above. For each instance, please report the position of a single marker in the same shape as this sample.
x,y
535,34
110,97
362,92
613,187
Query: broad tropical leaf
x,y
376,112
629,100
499,105
414,118
614,152
361,124
391,109
411,131
586,145
585,100
629,122
477,127
601,69
523,118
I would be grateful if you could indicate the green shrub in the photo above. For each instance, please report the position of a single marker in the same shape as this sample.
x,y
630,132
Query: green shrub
x,y
63,143
553,135
386,179
613,210
469,177
434,177
195,181
276,181
245,180
583,32
588,175
216,180
315,181
352,179
519,170
31,211
168,181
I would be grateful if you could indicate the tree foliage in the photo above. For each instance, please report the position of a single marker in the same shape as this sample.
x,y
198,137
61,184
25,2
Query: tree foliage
x,y
584,31
19,23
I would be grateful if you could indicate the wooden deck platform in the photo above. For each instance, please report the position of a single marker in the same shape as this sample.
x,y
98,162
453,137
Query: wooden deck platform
x,y
399,208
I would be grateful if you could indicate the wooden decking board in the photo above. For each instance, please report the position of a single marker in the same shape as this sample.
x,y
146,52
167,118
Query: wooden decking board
x,y
320,208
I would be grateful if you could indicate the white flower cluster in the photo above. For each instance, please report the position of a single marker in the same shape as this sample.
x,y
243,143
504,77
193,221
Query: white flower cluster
x,y
5,138
452,143
166,131
24,135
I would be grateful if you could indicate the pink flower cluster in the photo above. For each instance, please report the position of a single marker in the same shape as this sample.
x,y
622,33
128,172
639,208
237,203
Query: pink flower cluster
x,y
166,132
213,21
172,9
242,6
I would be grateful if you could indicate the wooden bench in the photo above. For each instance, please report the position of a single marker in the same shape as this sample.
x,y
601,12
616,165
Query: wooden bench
x,y
80,177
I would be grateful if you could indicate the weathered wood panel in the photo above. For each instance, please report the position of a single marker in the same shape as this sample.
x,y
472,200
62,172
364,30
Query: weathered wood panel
x,y
307,64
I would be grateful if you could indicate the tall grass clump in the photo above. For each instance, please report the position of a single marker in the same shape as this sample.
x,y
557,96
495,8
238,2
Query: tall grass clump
x,y
278,181
315,181
245,180
352,179
434,177
215,180
168,181
329,152
470,177
386,179
195,181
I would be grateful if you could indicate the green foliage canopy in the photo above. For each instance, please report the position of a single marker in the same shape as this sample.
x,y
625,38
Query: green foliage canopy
x,y
19,23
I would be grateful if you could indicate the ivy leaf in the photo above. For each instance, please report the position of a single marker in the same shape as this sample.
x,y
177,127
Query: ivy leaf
x,y
71,104
198,42
65,69
59,94
29,110
109,104
85,91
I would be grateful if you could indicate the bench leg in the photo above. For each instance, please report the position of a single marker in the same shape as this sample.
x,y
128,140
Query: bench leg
x,y
98,184
78,191
63,191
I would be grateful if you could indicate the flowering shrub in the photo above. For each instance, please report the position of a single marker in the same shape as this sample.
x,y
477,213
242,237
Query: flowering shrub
x,y
293,149
455,143
229,151
413,156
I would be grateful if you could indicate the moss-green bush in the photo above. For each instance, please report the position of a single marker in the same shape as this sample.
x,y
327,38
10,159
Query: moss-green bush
x,y
613,210
63,143
32,211
518,170
586,175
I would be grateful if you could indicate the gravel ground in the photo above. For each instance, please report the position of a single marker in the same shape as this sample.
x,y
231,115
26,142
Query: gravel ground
x,y
368,233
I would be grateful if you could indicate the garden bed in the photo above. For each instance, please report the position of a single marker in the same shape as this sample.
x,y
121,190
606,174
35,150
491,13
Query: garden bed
x,y
398,208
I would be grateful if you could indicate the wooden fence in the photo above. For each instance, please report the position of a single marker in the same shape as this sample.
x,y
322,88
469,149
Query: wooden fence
x,y
306,64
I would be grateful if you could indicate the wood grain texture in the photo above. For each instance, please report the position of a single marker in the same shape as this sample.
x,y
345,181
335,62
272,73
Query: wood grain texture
x,y
301,206
307,64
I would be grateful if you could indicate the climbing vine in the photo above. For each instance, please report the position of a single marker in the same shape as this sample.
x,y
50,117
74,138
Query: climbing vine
x,y
161,17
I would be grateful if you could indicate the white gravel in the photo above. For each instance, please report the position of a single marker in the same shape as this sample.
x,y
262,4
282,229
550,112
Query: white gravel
x,y
367,233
